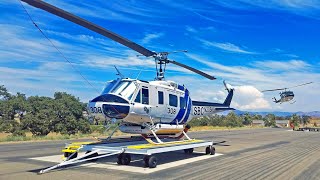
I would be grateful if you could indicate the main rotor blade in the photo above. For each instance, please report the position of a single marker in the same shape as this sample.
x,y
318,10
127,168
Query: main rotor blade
x,y
96,28
287,87
274,89
301,85
193,70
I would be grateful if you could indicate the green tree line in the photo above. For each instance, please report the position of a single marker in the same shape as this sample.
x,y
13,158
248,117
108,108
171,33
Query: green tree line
x,y
234,120
41,115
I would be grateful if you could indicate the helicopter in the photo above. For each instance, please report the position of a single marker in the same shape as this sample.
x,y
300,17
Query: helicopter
x,y
149,108
286,95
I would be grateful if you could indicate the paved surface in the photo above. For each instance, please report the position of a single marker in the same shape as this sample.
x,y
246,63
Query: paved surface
x,y
252,154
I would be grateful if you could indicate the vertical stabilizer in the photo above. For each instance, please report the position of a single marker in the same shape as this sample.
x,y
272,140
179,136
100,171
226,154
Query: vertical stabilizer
x,y
230,90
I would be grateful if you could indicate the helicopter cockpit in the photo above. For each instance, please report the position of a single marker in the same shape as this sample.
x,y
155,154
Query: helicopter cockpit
x,y
109,86
286,94
115,98
120,87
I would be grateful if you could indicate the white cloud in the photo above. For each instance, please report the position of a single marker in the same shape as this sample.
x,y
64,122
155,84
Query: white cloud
x,y
191,29
226,47
149,37
249,98
239,73
283,65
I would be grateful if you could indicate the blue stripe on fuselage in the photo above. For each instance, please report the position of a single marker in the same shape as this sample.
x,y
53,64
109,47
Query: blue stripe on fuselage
x,y
182,112
186,117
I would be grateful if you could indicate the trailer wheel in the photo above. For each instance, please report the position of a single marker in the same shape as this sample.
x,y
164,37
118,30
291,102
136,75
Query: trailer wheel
x,y
67,154
146,161
188,151
212,150
152,162
120,159
126,159
208,149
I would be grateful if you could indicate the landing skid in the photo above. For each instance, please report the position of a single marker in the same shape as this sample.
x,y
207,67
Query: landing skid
x,y
292,102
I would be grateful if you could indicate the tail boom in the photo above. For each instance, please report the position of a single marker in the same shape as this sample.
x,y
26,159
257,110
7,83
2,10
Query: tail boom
x,y
200,108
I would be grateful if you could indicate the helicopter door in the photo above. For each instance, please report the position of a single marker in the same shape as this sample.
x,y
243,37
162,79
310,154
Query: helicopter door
x,y
160,107
142,101
172,107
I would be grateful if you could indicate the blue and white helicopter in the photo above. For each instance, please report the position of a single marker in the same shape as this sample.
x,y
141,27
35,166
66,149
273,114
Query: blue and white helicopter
x,y
286,95
158,107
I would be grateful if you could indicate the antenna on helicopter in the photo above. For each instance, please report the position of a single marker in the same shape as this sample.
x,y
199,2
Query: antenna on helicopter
x,y
161,58
119,73
139,74
227,86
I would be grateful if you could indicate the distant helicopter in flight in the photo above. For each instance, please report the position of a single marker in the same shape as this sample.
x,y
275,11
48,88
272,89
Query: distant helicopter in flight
x,y
286,95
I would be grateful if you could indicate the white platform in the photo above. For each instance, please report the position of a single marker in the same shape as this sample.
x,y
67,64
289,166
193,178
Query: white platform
x,y
130,168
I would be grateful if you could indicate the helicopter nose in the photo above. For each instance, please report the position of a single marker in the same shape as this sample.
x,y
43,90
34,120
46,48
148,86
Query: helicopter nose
x,y
112,106
116,111
102,110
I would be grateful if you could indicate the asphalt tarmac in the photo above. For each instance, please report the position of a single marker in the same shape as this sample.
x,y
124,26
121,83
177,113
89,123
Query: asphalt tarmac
x,y
268,153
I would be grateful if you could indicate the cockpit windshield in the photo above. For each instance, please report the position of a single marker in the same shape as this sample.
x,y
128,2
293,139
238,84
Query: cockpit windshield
x,y
109,86
124,89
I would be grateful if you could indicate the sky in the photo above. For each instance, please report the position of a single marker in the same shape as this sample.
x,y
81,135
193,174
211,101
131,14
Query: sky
x,y
253,45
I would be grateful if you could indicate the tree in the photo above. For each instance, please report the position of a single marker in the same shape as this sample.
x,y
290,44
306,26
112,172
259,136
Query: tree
x,y
10,107
305,119
69,111
232,120
39,124
257,117
247,119
295,120
270,120
4,94
41,117
215,120
201,121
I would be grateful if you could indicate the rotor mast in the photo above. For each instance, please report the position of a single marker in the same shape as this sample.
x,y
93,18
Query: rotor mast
x,y
161,61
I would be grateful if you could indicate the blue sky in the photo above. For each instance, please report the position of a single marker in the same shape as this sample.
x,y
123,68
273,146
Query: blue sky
x,y
253,45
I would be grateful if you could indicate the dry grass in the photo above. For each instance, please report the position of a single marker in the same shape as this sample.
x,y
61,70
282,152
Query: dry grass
x,y
219,128
3,135
7,138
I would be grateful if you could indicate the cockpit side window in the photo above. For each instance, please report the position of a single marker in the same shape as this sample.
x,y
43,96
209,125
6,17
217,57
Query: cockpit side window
x,y
138,97
145,96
